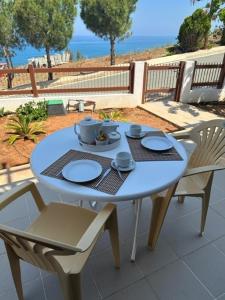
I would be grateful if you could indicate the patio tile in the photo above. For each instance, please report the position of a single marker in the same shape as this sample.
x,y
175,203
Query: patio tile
x,y
21,223
89,288
150,261
15,210
6,282
217,194
34,290
2,247
221,297
126,221
139,290
182,236
208,263
28,273
177,210
220,244
8,295
49,195
219,208
177,282
103,244
218,179
53,289
215,224
109,279
32,207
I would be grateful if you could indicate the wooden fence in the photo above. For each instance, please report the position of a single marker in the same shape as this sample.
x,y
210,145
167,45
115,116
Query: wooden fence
x,y
163,79
34,81
157,79
208,75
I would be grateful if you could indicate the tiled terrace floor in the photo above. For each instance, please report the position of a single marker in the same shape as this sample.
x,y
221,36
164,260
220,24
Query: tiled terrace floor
x,y
183,266
181,114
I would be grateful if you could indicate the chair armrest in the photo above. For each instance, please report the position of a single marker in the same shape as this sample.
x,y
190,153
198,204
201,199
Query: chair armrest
x,y
13,194
95,227
204,169
181,135
48,243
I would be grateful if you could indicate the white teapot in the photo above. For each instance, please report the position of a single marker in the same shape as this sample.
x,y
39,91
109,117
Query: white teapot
x,y
89,129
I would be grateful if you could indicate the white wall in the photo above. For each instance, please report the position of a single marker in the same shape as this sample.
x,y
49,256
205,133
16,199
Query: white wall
x,y
102,101
198,94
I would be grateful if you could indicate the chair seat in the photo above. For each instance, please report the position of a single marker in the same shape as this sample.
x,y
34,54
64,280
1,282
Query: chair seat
x,y
65,223
189,186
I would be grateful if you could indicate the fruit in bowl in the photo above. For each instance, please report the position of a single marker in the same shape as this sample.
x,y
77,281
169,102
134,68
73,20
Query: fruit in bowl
x,y
102,138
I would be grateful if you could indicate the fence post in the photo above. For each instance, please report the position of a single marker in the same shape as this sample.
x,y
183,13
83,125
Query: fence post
x,y
193,76
32,80
145,78
222,75
131,77
179,81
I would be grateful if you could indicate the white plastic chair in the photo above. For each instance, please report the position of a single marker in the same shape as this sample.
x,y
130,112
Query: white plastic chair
x,y
207,158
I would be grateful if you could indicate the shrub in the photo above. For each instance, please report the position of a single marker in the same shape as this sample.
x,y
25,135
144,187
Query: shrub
x,y
36,111
193,30
79,56
4,112
22,128
113,115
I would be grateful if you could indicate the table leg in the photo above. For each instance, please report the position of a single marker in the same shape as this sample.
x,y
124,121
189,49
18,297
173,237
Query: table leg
x,y
133,253
159,210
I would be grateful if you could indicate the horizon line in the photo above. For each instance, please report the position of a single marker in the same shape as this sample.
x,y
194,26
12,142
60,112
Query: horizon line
x,y
93,35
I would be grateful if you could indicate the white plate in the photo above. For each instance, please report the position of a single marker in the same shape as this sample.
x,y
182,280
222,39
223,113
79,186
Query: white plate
x,y
156,143
129,168
82,170
142,134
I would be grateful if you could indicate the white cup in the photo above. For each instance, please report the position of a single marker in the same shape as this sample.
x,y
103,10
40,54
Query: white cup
x,y
123,159
135,129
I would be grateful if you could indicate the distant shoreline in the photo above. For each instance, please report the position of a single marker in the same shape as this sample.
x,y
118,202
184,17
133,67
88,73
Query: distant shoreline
x,y
93,47
122,59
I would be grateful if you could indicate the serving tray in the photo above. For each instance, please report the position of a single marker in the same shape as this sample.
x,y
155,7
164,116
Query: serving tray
x,y
99,148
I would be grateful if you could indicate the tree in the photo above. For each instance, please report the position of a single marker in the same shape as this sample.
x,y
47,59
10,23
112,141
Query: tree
x,y
9,39
222,19
193,30
212,8
108,19
46,24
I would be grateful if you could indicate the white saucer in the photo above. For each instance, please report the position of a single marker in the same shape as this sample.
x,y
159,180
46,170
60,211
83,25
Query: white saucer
x,y
129,168
156,143
82,170
142,134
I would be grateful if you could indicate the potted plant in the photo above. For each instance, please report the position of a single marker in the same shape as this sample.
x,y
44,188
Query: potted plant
x,y
102,138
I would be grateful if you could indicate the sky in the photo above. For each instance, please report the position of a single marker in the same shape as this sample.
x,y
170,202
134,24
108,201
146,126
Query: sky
x,y
154,18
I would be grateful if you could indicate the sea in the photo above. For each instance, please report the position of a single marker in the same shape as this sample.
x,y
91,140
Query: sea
x,y
91,46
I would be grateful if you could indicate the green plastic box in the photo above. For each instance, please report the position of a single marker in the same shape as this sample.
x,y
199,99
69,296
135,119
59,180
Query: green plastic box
x,y
56,107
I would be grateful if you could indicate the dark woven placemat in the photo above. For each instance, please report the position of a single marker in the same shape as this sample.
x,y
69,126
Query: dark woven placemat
x,y
110,184
140,153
